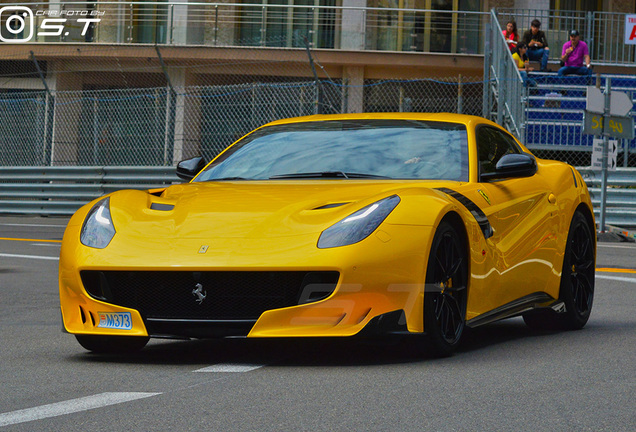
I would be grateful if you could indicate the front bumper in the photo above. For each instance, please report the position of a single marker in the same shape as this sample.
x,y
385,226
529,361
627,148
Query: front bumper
x,y
383,273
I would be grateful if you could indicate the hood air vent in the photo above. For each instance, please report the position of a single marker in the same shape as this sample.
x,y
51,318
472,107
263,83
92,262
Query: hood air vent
x,y
332,205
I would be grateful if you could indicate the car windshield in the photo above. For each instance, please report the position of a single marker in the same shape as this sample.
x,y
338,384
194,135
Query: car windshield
x,y
353,149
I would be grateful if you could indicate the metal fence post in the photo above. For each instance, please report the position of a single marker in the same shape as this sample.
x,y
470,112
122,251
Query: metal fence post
x,y
130,24
626,141
589,29
171,24
487,62
49,111
608,91
501,88
216,23
47,150
460,97
264,26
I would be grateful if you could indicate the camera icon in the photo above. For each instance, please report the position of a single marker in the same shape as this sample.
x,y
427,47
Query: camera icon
x,y
18,24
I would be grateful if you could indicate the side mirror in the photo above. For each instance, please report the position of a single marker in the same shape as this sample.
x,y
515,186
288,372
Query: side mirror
x,y
189,168
514,165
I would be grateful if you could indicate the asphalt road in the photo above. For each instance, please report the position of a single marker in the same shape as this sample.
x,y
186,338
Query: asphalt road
x,y
504,378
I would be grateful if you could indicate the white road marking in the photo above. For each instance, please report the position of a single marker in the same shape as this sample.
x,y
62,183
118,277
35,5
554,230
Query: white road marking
x,y
230,367
616,278
47,244
28,256
70,407
615,246
32,225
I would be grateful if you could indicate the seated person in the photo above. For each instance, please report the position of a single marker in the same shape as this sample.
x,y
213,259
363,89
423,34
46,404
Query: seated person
x,y
575,56
511,35
537,44
520,60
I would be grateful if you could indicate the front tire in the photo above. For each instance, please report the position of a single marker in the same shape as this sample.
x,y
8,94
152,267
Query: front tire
x,y
112,344
446,292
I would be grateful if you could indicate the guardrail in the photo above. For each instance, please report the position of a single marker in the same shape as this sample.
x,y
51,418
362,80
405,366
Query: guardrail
x,y
620,208
63,190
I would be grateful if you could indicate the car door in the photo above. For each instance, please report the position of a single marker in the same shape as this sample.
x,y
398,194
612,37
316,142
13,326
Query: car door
x,y
523,215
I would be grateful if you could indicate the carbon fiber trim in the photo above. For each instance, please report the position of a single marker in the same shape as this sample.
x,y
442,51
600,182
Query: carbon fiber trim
x,y
477,213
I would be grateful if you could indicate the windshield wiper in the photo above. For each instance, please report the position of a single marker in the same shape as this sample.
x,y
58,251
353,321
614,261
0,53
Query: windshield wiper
x,y
227,179
325,174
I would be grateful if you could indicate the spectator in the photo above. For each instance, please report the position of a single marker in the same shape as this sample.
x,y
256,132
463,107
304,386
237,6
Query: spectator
x,y
511,35
537,44
520,60
575,56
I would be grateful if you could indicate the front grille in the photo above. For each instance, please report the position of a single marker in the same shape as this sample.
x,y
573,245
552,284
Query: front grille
x,y
216,295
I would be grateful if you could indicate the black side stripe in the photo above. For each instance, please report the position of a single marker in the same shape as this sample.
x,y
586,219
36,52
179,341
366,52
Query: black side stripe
x,y
574,176
477,213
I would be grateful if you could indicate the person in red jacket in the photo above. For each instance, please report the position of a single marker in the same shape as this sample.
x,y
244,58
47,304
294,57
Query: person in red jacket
x,y
511,35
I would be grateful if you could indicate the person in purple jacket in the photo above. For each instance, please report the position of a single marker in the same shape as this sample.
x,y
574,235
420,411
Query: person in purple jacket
x,y
575,56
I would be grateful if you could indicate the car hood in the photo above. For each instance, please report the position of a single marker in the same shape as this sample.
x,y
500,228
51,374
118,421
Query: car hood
x,y
255,209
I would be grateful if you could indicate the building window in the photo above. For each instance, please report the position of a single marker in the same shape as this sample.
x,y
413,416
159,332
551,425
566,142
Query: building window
x,y
278,24
442,28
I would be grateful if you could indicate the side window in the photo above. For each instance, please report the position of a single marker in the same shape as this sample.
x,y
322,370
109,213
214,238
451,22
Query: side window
x,y
492,144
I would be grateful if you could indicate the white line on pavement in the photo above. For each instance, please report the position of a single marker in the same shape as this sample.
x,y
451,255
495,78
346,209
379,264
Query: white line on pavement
x,y
616,278
70,406
28,256
615,246
32,225
230,367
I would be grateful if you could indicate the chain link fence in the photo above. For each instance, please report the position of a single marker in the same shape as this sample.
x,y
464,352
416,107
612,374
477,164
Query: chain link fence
x,y
161,125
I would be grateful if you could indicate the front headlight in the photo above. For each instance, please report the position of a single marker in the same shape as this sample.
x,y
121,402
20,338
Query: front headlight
x,y
359,225
98,229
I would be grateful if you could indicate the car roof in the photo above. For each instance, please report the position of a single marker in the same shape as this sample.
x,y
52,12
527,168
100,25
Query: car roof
x,y
441,117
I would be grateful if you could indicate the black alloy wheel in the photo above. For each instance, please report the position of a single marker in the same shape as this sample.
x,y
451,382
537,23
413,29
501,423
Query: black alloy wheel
x,y
577,282
577,278
445,295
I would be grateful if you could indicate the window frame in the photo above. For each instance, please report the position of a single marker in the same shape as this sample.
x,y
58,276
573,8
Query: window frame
x,y
505,134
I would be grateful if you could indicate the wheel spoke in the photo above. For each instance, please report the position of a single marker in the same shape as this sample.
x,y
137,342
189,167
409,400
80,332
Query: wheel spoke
x,y
455,267
439,304
585,291
584,266
449,316
582,291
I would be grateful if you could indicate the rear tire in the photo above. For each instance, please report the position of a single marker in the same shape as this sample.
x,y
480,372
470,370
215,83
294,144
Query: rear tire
x,y
112,344
446,293
577,282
